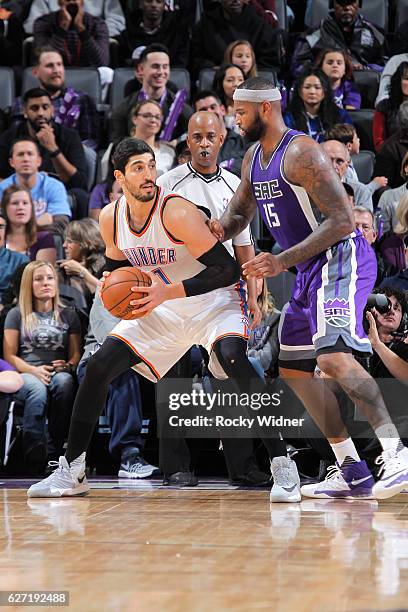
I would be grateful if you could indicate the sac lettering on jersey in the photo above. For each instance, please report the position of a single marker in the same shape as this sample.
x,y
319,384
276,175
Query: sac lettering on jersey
x,y
267,191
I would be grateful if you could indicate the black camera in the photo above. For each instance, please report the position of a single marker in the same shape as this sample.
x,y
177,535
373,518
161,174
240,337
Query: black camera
x,y
380,302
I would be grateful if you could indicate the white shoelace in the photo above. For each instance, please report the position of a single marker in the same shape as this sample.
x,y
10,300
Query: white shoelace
x,y
334,473
389,462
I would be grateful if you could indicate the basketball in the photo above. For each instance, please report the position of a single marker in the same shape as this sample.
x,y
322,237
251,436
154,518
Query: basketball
x,y
116,293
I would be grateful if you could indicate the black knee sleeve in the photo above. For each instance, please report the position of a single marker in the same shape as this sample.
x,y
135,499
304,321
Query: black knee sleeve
x,y
231,353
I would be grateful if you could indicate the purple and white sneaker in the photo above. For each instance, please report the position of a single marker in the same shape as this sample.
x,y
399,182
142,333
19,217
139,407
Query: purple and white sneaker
x,y
393,473
352,480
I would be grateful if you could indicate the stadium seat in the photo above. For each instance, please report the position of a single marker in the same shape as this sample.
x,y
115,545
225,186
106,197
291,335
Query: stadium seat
x,y
179,76
401,14
81,79
7,89
363,122
375,11
368,82
364,165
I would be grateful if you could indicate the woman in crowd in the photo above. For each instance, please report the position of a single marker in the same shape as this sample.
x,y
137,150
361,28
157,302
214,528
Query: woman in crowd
x,y
311,109
337,66
263,343
42,341
147,118
84,248
226,80
22,234
241,54
385,117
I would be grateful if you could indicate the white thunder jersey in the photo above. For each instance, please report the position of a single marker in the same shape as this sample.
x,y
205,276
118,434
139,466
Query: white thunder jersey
x,y
161,338
213,193
152,248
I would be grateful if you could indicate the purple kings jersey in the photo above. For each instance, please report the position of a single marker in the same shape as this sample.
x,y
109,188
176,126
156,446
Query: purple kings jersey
x,y
285,208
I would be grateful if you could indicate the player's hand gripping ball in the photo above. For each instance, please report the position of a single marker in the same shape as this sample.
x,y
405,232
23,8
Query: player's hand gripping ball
x,y
116,291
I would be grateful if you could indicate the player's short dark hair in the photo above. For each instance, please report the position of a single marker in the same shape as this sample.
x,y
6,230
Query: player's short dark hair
x,y
23,139
206,93
35,92
153,48
257,82
343,132
127,148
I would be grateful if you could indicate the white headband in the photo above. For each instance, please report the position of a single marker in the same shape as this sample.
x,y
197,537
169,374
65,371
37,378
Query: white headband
x,y
257,95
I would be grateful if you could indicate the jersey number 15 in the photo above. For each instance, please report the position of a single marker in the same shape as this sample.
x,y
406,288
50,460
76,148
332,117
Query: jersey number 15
x,y
271,216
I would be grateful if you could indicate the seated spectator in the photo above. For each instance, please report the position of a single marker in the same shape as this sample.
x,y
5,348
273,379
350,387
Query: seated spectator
x,y
398,276
226,22
124,403
183,153
226,80
154,71
390,68
80,38
84,249
10,261
61,151
241,54
10,380
347,134
21,226
388,160
340,157
48,194
147,117
104,193
11,38
72,109
388,202
263,342
42,341
150,23
109,10
311,108
337,66
386,114
233,146
344,28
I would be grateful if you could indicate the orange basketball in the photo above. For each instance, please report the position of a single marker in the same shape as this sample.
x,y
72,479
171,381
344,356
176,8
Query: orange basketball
x,y
116,293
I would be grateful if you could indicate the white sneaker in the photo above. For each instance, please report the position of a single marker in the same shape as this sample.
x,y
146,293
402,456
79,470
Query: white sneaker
x,y
136,467
286,481
393,473
67,479
352,481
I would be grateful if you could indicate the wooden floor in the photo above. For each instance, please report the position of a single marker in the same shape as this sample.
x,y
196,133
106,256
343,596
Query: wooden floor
x,y
142,547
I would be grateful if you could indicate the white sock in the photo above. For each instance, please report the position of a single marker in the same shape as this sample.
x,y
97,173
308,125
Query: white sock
x,y
389,437
344,450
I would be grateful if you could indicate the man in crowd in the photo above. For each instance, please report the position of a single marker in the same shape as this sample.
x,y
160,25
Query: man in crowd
x,y
81,38
151,23
48,194
72,109
340,157
344,28
154,70
231,20
62,153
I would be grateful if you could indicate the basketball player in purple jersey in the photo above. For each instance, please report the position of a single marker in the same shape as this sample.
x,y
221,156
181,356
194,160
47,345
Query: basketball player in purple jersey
x,y
306,209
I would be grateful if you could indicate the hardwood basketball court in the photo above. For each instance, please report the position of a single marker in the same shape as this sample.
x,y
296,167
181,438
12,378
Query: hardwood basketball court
x,y
138,546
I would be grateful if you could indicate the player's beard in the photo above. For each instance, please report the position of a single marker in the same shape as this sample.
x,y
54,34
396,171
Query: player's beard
x,y
140,195
256,130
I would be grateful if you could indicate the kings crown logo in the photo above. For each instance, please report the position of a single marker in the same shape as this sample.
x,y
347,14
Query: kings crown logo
x,y
337,312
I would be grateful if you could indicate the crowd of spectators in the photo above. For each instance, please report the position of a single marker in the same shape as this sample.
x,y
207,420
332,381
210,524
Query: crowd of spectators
x,y
344,81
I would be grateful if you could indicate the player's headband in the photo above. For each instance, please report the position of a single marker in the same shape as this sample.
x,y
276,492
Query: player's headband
x,y
257,95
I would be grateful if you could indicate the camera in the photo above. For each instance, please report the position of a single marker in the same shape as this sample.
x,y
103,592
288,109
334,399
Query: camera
x,y
379,301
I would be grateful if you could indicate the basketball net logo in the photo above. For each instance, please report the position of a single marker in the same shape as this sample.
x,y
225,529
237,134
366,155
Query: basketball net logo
x,y
337,312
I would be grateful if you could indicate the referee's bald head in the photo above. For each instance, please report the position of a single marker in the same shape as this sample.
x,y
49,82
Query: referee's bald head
x,y
204,139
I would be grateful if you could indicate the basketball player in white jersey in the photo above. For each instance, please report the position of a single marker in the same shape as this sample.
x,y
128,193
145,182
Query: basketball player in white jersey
x,y
205,183
167,237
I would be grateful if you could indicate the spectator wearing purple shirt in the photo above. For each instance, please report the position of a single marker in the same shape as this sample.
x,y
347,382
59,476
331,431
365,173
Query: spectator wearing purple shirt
x,y
337,66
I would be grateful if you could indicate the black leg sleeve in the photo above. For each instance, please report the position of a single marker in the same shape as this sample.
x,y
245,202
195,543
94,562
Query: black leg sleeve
x,y
113,358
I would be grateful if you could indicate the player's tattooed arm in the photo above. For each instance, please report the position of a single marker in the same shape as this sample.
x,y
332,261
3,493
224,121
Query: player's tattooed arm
x,y
307,165
241,208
